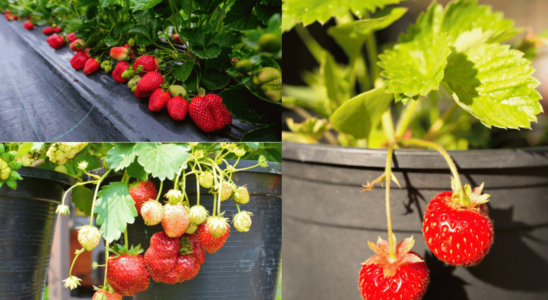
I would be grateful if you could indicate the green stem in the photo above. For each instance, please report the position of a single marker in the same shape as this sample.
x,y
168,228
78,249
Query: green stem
x,y
106,265
160,191
197,190
78,252
126,239
372,52
439,123
388,126
95,195
310,42
406,117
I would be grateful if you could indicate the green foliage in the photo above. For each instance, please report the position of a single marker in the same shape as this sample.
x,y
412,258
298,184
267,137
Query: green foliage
x,y
115,209
162,160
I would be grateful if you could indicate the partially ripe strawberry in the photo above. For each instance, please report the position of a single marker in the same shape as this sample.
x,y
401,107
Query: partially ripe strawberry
x,y
57,29
198,214
71,37
458,235
91,66
209,113
141,95
176,220
89,237
211,243
150,82
119,53
152,212
177,108
226,191
405,276
28,25
241,195
177,39
78,61
47,31
206,179
77,45
242,221
141,192
145,64
118,70
126,271
56,41
108,295
158,100
217,226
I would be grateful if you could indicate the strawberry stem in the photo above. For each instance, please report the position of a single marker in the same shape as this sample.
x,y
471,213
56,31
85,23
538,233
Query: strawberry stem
x,y
160,191
388,172
106,264
78,252
95,195
126,239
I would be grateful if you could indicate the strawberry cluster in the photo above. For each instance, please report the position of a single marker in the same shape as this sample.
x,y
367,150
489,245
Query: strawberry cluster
x,y
10,16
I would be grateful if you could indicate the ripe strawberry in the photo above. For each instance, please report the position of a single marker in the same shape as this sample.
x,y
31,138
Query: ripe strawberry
x,y
211,243
459,235
175,220
108,295
77,45
159,266
78,61
47,31
177,108
131,54
118,70
177,39
56,41
28,25
145,64
142,191
404,277
196,247
165,246
92,65
126,271
209,113
57,29
187,267
140,94
150,82
71,37
152,212
120,53
158,99
89,237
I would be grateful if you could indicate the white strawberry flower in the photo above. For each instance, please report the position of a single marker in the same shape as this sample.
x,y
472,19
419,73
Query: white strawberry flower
x,y
72,282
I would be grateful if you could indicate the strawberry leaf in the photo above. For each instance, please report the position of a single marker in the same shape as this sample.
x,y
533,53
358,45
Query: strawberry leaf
x,y
241,17
82,197
121,156
144,4
135,170
182,72
249,108
115,209
213,79
162,160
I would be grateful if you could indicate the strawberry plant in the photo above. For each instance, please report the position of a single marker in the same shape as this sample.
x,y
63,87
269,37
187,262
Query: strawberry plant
x,y
231,49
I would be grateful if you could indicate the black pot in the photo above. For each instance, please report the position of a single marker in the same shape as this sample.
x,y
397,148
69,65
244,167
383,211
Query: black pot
x,y
27,226
327,221
248,265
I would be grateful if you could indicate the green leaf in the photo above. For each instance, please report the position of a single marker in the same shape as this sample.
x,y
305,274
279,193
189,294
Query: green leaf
x,y
214,79
310,11
351,36
121,156
269,133
11,183
182,72
115,209
144,4
82,197
121,28
248,108
241,17
226,39
361,114
494,84
209,51
162,160
72,25
141,30
265,12
106,3
135,170
24,149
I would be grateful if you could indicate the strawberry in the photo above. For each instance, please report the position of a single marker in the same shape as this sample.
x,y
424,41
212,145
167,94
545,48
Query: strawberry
x,y
118,70
91,66
142,191
175,220
89,237
131,54
177,39
217,226
165,245
159,266
206,179
126,271
47,31
28,25
177,90
108,295
71,37
211,243
209,113
177,108
198,214
77,45
152,212
57,29
403,277
56,41
158,100
145,64
459,235
242,221
241,195
150,82
119,53
187,267
226,191
78,61
196,247
140,94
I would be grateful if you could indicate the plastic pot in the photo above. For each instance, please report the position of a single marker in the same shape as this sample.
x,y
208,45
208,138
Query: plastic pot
x,y
27,226
248,265
327,221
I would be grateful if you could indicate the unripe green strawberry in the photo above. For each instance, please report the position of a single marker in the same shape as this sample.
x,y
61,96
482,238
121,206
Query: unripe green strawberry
x,y
174,196
198,214
269,80
270,42
133,81
241,195
5,170
242,221
217,226
191,228
89,237
206,179
60,153
128,73
177,90
244,66
226,191
152,212
131,42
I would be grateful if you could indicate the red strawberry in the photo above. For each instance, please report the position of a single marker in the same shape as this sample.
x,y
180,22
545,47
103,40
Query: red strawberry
x,y
403,277
140,94
159,266
177,108
142,191
127,273
28,25
458,235
187,267
57,29
197,248
92,65
147,63
118,70
211,243
56,41
131,54
77,45
47,31
78,61
71,37
150,82
109,296
209,113
175,220
119,53
166,246
158,100
177,39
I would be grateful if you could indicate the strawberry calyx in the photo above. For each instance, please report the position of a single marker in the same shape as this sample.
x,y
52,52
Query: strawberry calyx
x,y
390,264
120,250
466,198
186,246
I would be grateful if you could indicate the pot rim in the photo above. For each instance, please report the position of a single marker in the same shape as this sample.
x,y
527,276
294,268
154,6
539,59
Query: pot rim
x,y
34,172
414,158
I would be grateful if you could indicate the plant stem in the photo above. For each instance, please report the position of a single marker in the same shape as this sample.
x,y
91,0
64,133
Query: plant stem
x,y
439,123
406,117
197,190
310,43
160,191
126,239
95,195
372,52
106,265
388,172
388,126
78,252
